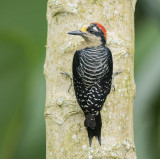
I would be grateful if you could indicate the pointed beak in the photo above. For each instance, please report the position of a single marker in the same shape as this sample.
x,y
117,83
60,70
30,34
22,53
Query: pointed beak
x,y
77,32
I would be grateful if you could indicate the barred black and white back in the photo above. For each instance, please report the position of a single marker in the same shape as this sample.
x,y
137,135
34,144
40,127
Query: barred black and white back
x,y
92,78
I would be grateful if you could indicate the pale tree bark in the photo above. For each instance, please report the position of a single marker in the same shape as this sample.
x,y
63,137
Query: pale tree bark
x,y
66,135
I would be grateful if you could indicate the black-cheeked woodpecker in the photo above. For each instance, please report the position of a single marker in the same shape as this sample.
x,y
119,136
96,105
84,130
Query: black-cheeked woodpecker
x,y
92,76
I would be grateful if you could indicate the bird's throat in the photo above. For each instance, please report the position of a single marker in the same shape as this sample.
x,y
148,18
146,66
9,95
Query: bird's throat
x,y
88,44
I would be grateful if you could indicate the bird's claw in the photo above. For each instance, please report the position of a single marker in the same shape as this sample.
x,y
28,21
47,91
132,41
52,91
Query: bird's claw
x,y
68,75
115,74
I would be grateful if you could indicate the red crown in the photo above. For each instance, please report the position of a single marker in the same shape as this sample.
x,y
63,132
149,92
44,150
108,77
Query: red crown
x,y
102,28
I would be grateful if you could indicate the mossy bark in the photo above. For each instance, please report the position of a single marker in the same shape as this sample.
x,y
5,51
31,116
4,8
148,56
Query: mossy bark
x,y
66,135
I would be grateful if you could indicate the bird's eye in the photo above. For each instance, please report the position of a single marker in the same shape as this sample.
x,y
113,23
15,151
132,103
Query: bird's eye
x,y
91,31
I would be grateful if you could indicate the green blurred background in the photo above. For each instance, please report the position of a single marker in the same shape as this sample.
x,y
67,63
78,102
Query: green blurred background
x,y
23,31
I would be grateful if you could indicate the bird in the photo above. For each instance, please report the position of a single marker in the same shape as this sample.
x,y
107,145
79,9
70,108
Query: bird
x,y
92,70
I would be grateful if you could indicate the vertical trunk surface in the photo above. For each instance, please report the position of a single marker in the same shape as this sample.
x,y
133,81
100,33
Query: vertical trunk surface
x,y
66,135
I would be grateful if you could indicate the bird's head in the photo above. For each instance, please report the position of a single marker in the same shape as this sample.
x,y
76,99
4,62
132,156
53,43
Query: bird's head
x,y
95,33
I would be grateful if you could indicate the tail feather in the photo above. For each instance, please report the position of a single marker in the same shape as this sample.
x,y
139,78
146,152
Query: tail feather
x,y
93,125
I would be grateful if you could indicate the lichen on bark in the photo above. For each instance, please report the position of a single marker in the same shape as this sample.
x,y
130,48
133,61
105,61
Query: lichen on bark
x,y
66,136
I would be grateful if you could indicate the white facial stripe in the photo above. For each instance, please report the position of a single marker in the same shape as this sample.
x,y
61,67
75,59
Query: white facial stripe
x,y
94,28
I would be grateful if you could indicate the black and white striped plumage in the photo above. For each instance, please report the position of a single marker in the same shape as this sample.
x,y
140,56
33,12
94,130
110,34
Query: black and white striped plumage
x,y
92,77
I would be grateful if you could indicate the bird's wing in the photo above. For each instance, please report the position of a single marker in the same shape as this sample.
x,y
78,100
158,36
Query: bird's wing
x,y
101,88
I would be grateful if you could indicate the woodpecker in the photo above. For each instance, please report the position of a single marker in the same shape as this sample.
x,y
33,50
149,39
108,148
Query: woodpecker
x,y
92,76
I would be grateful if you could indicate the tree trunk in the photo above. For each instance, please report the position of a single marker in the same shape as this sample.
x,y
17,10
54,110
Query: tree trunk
x,y
66,135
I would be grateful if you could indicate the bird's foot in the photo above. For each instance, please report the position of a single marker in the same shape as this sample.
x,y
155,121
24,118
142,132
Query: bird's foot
x,y
115,74
69,76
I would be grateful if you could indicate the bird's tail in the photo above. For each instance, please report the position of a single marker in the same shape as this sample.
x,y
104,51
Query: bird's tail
x,y
93,125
